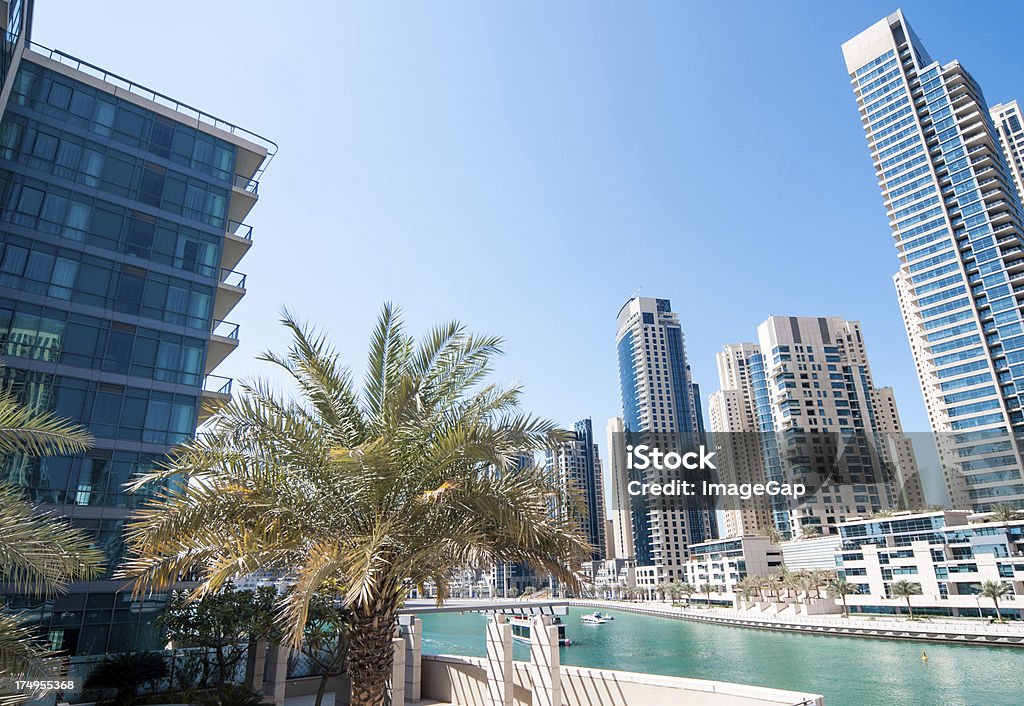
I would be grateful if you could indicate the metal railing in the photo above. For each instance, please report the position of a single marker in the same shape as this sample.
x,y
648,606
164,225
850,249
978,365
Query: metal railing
x,y
217,384
232,278
160,99
225,329
246,184
239,230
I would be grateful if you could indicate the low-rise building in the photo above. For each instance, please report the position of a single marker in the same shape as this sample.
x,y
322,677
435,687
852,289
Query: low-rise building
x,y
723,562
948,554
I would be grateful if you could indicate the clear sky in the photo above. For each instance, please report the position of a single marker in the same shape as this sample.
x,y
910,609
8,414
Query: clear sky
x,y
526,167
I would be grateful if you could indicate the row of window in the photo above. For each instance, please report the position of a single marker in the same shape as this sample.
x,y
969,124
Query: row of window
x,y
109,411
34,333
112,171
62,213
57,272
90,109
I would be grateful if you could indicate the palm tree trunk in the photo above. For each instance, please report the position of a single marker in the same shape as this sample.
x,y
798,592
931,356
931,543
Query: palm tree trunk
x,y
846,611
370,656
909,608
995,602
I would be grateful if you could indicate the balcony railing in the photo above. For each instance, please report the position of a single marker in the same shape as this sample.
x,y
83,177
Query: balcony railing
x,y
246,184
239,230
159,98
232,278
217,384
225,329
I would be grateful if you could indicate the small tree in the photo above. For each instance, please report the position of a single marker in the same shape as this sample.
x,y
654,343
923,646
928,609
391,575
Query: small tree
x,y
325,638
842,588
905,589
219,621
687,589
707,589
994,590
529,591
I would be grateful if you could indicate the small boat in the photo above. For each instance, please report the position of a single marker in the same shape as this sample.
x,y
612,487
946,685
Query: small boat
x,y
594,619
521,629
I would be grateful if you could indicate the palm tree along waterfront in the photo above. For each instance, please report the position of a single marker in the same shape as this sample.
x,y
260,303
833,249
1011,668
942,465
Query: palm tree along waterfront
x,y
381,489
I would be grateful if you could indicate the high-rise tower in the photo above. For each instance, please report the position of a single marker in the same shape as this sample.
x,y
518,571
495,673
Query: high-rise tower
x,y
578,467
660,398
956,220
733,416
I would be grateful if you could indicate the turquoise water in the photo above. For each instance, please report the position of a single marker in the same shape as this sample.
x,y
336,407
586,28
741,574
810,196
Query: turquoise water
x,y
848,671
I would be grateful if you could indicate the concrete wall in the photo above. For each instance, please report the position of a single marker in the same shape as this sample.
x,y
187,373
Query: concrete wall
x,y
462,680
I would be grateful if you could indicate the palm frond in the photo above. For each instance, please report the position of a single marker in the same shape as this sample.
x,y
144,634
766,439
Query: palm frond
x,y
40,553
23,430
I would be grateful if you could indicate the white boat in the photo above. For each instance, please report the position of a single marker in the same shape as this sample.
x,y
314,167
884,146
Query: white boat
x,y
595,618
521,629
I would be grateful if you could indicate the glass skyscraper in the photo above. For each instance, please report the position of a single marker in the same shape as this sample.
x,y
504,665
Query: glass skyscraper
x,y
577,466
659,398
957,223
120,232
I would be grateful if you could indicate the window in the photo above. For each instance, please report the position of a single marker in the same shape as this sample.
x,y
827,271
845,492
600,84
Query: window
x,y
129,294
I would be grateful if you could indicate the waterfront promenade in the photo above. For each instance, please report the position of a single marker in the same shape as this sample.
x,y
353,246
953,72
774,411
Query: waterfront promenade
x,y
955,631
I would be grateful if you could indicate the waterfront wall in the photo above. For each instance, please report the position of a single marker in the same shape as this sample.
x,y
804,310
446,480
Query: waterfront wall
x,y
962,632
463,680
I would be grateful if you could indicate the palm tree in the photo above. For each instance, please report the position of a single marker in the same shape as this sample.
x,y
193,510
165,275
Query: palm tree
x,y
994,590
805,582
821,577
39,553
687,589
905,589
773,534
1004,513
747,586
381,489
842,588
706,589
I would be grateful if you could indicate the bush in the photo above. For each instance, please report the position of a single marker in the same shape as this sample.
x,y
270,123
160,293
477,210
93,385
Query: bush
x,y
127,673
232,695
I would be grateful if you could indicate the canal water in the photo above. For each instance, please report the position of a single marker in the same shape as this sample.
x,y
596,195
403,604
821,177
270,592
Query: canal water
x,y
848,671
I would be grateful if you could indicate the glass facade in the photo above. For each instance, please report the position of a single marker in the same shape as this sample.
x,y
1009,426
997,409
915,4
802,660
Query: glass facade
x,y
113,223
957,223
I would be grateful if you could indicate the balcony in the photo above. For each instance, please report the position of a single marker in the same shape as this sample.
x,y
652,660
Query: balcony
x,y
244,194
223,342
216,392
237,241
230,291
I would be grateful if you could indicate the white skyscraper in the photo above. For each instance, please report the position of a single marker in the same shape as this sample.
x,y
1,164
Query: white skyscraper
x,y
622,525
951,195
828,426
734,425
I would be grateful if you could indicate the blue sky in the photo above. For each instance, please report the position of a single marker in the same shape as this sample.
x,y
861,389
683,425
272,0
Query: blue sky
x,y
526,167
